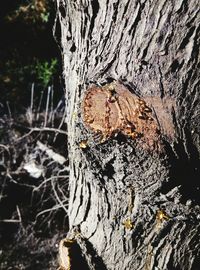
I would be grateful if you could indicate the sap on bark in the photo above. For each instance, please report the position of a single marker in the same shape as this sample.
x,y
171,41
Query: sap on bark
x,y
113,109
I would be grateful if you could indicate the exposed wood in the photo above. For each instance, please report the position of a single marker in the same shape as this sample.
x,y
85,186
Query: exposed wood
x,y
134,207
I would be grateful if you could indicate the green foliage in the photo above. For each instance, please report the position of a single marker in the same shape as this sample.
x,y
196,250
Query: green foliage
x,y
41,72
26,26
34,11
45,17
45,71
18,76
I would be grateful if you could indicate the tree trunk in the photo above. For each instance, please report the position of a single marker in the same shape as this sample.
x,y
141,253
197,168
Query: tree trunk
x,y
134,200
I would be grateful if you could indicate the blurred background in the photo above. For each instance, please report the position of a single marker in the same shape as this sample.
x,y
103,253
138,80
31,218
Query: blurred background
x,y
28,52
33,137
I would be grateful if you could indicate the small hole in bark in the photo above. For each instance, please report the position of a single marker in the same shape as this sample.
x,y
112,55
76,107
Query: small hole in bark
x,y
160,38
121,138
69,27
62,11
174,65
144,63
109,80
109,169
73,48
96,59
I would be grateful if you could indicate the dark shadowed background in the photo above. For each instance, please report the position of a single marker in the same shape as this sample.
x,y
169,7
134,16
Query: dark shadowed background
x,y
33,159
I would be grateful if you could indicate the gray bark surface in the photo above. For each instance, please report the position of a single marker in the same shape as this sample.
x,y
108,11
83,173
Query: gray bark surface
x,y
152,47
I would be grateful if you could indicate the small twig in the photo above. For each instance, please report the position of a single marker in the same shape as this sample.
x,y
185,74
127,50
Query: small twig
x,y
5,147
47,106
31,112
48,180
10,221
2,189
13,220
57,197
55,156
51,117
59,127
58,105
50,209
41,130
61,191
9,111
39,106
19,214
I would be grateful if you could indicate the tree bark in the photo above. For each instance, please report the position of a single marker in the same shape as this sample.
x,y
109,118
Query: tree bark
x,y
133,207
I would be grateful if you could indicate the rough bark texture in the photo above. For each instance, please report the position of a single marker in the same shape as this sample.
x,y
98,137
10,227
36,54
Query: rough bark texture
x,y
134,208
